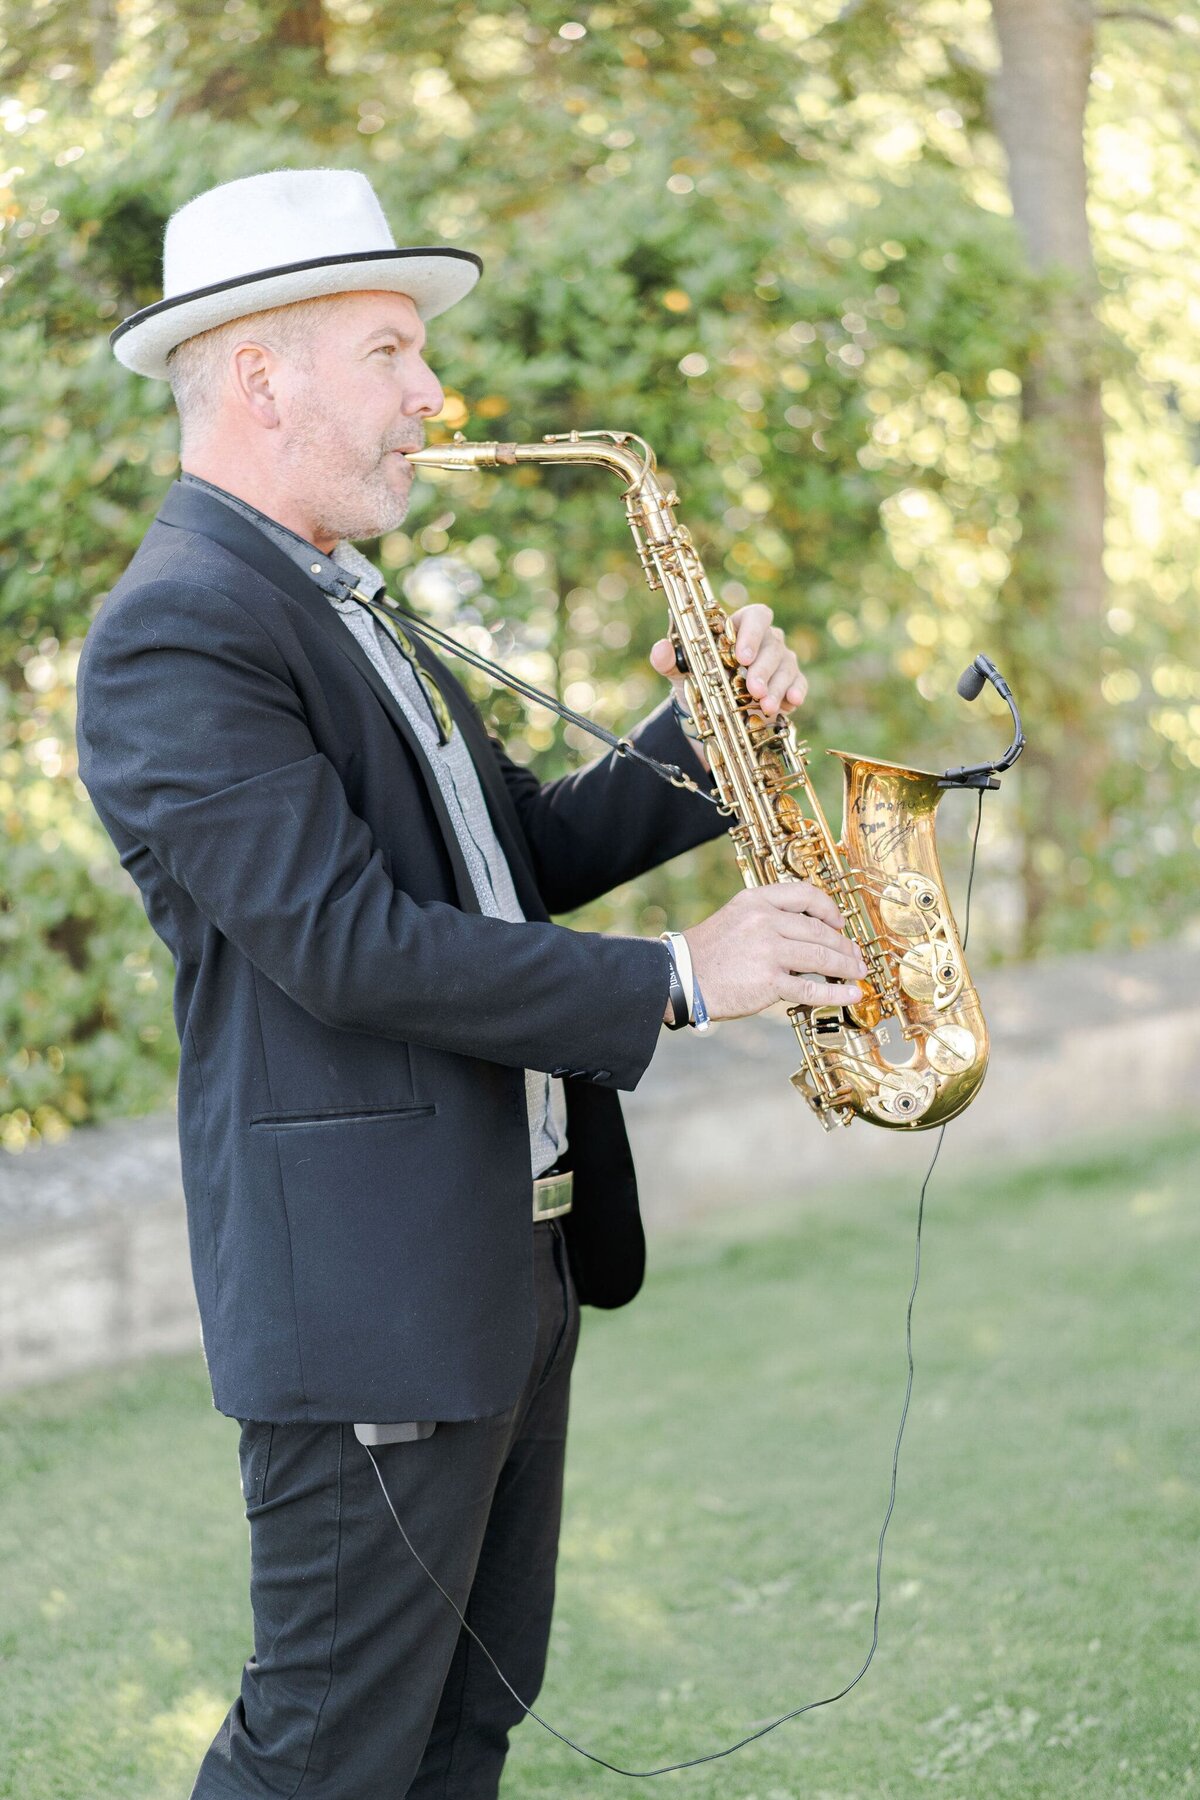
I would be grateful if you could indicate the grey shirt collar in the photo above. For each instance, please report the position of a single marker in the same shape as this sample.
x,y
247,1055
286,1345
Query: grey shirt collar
x,y
326,572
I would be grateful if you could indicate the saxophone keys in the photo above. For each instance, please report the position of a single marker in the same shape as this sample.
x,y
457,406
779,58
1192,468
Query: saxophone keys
x,y
907,904
866,1013
951,1049
916,974
790,818
930,975
903,1096
798,854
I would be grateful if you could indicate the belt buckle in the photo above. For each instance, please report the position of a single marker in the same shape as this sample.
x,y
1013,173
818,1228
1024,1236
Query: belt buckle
x,y
552,1195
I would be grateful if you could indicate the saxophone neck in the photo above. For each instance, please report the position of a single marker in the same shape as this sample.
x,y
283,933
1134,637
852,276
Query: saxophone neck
x,y
623,452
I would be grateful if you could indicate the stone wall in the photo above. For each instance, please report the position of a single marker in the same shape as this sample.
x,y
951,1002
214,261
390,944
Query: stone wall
x,y
93,1252
1082,1046
93,1248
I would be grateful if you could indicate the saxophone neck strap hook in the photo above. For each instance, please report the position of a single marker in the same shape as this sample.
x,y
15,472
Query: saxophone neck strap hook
x,y
622,746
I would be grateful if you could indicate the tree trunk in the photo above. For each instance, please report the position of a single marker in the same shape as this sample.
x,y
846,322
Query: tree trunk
x,y
102,14
301,26
289,59
1039,100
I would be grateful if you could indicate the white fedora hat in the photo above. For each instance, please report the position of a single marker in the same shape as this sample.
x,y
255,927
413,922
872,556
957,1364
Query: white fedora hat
x,y
291,234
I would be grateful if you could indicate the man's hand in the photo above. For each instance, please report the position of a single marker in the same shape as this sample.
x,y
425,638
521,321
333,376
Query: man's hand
x,y
780,942
772,672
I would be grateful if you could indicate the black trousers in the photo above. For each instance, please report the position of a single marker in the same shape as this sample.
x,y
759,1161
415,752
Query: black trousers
x,y
363,1685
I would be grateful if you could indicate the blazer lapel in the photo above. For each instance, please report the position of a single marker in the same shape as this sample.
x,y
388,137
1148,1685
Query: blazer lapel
x,y
190,509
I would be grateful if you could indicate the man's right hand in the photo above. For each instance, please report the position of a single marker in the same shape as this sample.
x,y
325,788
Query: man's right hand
x,y
783,941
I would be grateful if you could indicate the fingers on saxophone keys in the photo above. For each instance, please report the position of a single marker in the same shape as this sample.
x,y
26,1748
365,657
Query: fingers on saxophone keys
x,y
802,897
802,928
779,687
826,957
810,990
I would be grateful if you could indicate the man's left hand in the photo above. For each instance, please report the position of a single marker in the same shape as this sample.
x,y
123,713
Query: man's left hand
x,y
773,675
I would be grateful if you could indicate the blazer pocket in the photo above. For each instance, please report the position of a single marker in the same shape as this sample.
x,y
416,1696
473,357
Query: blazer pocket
x,y
281,1121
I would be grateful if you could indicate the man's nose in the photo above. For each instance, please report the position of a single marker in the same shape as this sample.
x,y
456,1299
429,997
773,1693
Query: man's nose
x,y
425,398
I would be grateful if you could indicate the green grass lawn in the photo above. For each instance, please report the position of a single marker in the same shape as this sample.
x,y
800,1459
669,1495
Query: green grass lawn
x,y
728,1472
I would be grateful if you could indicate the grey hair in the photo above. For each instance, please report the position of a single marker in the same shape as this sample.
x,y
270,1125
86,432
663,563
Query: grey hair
x,y
196,368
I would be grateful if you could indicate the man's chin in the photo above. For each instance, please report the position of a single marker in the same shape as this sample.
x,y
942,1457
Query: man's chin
x,y
372,521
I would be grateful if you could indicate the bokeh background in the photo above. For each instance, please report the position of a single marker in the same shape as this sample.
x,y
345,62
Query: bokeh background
x,y
905,294
906,298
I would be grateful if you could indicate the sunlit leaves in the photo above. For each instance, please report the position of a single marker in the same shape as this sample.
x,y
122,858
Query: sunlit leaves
x,y
768,235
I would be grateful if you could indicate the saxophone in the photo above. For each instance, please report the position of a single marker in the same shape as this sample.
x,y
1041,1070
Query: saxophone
x,y
913,1051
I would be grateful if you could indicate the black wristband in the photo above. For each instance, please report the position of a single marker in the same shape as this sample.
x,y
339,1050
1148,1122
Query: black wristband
x,y
676,996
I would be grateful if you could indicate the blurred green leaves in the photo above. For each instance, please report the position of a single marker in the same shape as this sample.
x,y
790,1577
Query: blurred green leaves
x,y
768,237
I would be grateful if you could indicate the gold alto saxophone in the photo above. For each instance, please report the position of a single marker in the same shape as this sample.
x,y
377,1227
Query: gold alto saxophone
x,y
912,1053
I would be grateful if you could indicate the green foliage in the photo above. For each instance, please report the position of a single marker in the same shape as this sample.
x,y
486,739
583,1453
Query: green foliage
x,y
768,238
85,988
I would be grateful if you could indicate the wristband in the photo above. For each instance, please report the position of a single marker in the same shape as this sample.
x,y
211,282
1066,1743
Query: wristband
x,y
696,1013
676,993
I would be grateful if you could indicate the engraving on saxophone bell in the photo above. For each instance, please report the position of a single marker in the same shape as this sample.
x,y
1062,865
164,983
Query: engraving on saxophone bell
x,y
882,873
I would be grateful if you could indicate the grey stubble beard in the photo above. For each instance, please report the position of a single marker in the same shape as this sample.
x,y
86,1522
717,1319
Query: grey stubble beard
x,y
349,507
354,519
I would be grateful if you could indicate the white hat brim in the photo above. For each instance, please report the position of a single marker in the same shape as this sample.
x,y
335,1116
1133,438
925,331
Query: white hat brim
x,y
434,279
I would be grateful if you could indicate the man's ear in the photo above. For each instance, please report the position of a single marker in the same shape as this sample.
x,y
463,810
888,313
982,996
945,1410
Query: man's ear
x,y
254,371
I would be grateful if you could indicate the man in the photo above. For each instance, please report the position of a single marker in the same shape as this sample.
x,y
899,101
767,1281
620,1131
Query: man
x,y
391,1226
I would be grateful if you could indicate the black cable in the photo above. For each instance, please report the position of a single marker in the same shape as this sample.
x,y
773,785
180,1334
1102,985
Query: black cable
x,y
971,871
810,1705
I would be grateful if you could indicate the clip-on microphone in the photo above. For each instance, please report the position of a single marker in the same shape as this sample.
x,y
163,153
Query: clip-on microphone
x,y
970,686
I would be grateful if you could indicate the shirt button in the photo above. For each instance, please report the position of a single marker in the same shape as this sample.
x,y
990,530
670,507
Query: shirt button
x,y
602,1075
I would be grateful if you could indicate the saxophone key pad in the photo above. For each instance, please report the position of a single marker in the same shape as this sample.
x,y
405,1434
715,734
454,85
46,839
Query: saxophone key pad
x,y
903,1096
950,1049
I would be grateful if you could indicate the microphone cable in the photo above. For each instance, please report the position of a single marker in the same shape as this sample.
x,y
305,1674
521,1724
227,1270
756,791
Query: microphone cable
x,y
796,1712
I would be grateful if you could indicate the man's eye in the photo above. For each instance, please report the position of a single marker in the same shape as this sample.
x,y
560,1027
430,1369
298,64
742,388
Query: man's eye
x,y
389,348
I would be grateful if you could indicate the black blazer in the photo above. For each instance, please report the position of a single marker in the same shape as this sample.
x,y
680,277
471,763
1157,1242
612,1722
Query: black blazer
x,y
353,1032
